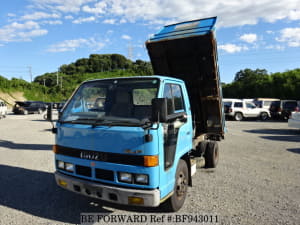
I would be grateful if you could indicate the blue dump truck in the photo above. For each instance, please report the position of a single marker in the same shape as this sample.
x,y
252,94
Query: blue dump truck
x,y
135,140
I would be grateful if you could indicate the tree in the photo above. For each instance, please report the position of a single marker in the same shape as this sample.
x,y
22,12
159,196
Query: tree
x,y
248,74
257,83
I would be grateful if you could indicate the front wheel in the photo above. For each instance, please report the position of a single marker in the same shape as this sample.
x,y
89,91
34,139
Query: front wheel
x,y
175,202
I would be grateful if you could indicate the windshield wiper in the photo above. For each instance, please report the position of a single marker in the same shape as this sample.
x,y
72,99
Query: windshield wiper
x,y
115,123
105,122
80,121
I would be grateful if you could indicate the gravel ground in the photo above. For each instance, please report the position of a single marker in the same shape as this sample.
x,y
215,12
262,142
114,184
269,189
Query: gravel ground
x,y
257,180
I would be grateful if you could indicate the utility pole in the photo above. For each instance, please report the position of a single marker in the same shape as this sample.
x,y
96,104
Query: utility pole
x,y
44,89
57,78
130,51
30,73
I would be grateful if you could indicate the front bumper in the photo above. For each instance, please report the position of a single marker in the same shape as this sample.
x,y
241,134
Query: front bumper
x,y
108,193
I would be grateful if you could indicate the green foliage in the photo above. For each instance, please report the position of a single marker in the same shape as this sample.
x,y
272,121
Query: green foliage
x,y
61,85
105,62
258,83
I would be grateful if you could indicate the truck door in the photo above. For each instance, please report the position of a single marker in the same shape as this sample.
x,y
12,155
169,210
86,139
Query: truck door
x,y
177,132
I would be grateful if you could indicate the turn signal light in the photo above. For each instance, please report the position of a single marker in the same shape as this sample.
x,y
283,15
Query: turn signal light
x,y
151,160
55,148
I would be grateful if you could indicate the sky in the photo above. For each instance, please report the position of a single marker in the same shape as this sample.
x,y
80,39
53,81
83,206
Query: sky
x,y
38,36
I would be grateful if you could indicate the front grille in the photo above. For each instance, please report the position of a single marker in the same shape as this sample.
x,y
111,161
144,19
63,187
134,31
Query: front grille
x,y
127,159
105,174
83,171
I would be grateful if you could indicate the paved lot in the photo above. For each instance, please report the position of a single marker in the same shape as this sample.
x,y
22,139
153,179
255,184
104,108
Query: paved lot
x,y
257,180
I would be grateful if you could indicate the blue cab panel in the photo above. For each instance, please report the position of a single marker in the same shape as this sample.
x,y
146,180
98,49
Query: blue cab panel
x,y
186,29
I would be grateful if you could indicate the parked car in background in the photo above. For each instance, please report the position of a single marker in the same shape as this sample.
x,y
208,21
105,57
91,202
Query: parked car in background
x,y
57,105
3,109
264,102
294,120
29,107
239,109
283,109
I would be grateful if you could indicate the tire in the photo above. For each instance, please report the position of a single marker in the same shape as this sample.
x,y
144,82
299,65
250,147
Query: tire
x,y
211,155
176,201
285,115
238,116
200,150
264,116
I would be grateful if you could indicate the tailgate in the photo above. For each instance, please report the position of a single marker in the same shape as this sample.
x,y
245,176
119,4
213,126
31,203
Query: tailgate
x,y
188,51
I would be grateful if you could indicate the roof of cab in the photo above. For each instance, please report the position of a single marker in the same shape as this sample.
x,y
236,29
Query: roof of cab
x,y
162,78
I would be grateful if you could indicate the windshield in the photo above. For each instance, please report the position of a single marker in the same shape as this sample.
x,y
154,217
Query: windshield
x,y
112,102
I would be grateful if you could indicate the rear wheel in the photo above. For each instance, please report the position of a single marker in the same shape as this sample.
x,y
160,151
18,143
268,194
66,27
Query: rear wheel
x,y
200,149
211,154
238,116
175,202
264,116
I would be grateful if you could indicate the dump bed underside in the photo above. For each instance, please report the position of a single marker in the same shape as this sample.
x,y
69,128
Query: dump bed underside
x,y
194,60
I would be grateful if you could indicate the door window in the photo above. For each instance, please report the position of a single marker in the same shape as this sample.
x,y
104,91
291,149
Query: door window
x,y
238,105
250,105
175,102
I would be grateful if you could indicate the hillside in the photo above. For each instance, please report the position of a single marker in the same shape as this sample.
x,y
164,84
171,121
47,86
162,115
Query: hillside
x,y
10,98
58,86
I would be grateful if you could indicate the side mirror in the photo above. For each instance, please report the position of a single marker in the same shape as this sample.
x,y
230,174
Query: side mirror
x,y
49,112
159,110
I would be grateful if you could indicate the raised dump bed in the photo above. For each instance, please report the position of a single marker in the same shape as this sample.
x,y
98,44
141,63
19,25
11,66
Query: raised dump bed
x,y
188,51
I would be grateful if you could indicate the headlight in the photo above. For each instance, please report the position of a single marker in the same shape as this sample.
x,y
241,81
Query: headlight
x,y
69,167
61,165
125,177
141,179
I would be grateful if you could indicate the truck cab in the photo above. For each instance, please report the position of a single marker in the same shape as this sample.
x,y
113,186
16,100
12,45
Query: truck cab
x,y
134,140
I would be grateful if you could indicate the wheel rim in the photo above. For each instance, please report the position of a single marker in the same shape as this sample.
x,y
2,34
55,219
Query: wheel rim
x,y
238,116
181,186
264,116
